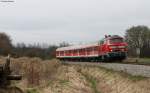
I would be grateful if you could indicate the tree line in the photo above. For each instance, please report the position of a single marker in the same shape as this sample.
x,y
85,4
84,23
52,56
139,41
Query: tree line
x,y
137,37
21,49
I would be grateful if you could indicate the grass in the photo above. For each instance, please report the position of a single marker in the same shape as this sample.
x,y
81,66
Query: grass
x,y
138,60
144,60
32,90
49,83
91,77
136,78
92,81
64,82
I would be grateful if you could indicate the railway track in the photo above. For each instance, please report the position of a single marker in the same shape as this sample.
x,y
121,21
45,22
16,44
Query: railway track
x,y
137,69
94,63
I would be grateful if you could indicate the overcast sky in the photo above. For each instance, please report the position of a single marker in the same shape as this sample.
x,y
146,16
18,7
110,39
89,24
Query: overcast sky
x,y
74,21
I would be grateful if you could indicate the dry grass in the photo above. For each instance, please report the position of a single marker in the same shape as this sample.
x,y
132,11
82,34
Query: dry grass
x,y
68,80
50,76
140,60
35,71
114,82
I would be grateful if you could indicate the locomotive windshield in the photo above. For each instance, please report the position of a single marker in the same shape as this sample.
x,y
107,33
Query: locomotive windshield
x,y
116,40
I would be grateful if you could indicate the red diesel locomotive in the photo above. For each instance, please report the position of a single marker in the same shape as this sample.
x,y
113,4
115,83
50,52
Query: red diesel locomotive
x,y
108,49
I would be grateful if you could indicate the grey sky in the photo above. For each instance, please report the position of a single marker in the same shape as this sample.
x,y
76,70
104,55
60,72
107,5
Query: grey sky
x,y
75,21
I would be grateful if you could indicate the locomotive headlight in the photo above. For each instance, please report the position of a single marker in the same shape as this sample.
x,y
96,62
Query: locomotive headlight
x,y
110,50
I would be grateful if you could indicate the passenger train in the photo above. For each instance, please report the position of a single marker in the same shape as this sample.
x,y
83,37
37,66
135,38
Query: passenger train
x,y
108,49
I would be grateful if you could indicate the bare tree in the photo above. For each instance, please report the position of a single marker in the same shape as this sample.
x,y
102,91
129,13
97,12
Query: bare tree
x,y
5,44
138,37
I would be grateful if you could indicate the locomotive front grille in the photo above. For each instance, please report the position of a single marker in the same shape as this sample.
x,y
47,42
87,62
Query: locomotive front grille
x,y
117,54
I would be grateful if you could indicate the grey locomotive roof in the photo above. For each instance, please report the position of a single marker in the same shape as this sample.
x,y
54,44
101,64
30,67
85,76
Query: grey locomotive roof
x,y
76,47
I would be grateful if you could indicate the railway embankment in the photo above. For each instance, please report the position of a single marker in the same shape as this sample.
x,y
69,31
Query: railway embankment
x,y
133,69
50,76
109,81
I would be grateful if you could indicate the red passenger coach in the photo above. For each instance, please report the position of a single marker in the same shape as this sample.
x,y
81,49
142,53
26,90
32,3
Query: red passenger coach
x,y
108,49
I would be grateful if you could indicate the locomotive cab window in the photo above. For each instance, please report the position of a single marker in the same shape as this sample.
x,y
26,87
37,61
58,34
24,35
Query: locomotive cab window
x,y
116,40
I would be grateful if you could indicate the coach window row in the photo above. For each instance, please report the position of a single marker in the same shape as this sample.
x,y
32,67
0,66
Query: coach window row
x,y
78,51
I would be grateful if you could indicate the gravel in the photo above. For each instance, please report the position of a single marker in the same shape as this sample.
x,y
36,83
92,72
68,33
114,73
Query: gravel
x,y
139,70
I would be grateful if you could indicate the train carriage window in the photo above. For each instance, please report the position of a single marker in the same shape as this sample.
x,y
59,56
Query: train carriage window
x,y
67,52
88,49
58,53
74,51
63,52
81,50
95,48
